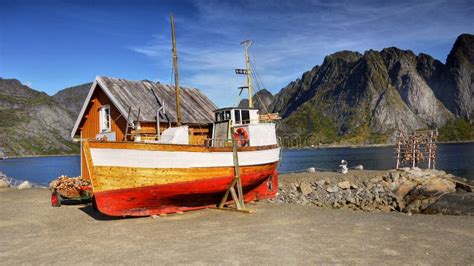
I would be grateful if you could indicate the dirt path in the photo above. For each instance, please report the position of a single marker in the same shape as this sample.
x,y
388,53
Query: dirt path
x,y
33,232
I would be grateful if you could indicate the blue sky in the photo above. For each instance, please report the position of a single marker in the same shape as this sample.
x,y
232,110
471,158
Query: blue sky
x,y
51,45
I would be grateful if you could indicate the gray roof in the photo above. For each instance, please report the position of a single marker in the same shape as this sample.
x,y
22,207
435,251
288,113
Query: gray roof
x,y
149,96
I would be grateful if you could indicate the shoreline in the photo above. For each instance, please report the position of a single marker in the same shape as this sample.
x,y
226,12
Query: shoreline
x,y
41,156
380,145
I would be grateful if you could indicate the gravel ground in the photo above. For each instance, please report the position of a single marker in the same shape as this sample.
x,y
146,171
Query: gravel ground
x,y
33,232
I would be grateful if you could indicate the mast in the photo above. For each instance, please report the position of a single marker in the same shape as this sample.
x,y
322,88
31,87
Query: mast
x,y
247,44
175,70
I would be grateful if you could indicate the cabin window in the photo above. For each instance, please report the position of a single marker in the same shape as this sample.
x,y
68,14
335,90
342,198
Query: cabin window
x,y
227,115
237,117
105,118
245,117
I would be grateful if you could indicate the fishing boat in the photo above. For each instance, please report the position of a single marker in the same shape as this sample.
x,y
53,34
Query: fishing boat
x,y
169,174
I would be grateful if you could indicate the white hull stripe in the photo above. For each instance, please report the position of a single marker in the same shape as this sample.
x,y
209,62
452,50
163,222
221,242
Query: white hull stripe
x,y
178,159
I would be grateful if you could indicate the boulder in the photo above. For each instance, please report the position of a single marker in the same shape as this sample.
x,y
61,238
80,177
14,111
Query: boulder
x,y
350,200
405,188
385,208
344,185
25,185
4,183
394,176
293,187
332,189
413,207
453,203
376,179
321,183
417,172
436,187
305,188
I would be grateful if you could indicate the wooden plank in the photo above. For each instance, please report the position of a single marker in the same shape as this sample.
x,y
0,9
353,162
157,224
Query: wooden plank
x,y
236,199
226,195
123,177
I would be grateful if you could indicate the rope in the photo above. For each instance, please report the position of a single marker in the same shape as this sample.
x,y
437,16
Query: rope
x,y
259,82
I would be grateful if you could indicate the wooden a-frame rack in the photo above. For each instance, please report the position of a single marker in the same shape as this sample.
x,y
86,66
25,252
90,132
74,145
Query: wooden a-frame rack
x,y
236,184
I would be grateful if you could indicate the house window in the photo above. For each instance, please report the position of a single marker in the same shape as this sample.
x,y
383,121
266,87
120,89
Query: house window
x,y
105,118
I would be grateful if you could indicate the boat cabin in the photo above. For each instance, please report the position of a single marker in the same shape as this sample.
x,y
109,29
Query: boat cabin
x,y
250,128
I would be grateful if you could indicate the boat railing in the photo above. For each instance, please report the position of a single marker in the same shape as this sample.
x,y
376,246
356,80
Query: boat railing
x,y
219,143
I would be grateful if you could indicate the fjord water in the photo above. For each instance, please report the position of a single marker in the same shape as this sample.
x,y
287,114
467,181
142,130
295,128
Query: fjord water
x,y
457,159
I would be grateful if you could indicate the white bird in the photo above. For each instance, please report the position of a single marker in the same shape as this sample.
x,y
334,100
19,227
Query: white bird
x,y
343,166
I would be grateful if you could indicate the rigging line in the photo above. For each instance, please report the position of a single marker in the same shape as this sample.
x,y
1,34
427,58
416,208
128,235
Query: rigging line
x,y
258,90
253,62
259,81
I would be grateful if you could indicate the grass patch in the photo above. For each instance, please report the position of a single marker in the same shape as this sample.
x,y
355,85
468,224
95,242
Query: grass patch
x,y
456,130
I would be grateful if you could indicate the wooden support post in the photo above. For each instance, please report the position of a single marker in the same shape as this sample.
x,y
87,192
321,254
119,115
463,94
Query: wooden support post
x,y
430,150
237,197
413,151
398,150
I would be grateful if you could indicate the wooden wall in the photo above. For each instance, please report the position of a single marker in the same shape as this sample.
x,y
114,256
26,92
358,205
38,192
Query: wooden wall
x,y
90,125
197,134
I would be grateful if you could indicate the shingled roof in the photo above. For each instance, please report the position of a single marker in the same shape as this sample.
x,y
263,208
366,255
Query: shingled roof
x,y
149,96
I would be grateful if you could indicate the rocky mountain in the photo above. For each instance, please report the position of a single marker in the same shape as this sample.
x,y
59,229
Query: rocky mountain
x,y
365,98
261,100
72,98
34,123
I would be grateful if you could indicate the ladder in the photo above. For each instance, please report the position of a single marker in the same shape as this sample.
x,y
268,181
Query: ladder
x,y
130,125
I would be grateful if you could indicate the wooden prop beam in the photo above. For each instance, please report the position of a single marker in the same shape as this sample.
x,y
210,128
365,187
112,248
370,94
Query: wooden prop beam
x,y
237,197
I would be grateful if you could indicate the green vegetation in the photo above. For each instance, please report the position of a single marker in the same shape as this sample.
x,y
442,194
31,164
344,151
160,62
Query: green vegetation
x,y
11,117
364,135
312,125
456,130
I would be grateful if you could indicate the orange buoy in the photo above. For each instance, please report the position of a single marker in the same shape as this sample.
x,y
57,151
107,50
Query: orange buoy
x,y
242,136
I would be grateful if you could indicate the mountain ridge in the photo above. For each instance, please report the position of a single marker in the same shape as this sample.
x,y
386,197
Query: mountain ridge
x,y
32,123
353,97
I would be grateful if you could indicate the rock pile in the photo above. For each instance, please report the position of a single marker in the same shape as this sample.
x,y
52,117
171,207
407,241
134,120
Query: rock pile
x,y
4,183
68,186
410,190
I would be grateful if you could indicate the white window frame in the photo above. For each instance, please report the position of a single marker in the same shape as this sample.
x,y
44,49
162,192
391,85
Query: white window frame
x,y
103,127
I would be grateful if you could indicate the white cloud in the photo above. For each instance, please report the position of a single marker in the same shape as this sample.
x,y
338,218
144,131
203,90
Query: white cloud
x,y
28,83
291,37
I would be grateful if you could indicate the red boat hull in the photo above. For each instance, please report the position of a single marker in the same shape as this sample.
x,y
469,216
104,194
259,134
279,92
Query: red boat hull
x,y
186,196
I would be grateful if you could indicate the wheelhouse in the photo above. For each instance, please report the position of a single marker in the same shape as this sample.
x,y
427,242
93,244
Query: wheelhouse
x,y
245,124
